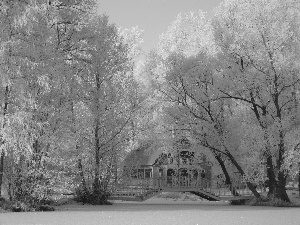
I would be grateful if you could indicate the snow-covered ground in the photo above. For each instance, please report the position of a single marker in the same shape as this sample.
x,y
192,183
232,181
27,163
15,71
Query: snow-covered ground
x,y
157,211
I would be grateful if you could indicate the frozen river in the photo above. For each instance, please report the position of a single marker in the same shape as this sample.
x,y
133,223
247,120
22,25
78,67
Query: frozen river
x,y
157,211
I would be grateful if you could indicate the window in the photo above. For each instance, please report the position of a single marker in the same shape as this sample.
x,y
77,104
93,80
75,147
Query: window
x,y
185,157
141,173
148,173
134,173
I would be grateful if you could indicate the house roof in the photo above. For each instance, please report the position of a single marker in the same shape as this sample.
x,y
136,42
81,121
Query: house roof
x,y
150,153
144,155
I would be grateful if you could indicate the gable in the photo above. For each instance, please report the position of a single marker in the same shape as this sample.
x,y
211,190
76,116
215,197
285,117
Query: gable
x,y
143,156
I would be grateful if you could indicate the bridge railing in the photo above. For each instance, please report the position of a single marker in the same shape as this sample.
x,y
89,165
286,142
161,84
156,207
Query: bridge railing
x,y
167,182
183,182
239,188
132,187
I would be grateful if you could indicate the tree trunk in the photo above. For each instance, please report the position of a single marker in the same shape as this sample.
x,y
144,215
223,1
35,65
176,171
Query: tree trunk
x,y
5,108
272,183
80,168
280,191
299,179
223,167
96,185
1,171
226,174
239,168
276,187
115,169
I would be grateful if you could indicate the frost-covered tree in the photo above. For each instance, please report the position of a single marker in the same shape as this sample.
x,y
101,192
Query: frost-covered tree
x,y
184,72
105,67
260,68
68,94
32,64
19,69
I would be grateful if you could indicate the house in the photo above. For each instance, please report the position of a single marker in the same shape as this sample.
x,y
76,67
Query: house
x,y
156,165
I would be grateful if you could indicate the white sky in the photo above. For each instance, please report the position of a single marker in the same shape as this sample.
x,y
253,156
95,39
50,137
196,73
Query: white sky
x,y
152,16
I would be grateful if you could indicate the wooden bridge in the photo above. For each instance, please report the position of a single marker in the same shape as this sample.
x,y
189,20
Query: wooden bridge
x,y
143,189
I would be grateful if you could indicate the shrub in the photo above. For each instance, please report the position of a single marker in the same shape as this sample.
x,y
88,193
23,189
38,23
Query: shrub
x,y
18,206
45,208
61,200
271,202
5,205
238,202
86,196
21,207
